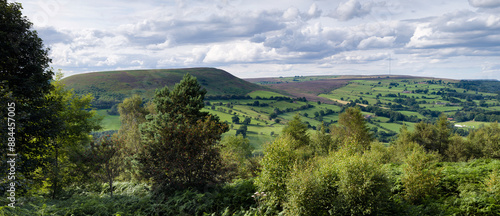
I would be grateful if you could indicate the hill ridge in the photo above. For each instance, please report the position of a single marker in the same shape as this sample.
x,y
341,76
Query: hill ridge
x,y
111,87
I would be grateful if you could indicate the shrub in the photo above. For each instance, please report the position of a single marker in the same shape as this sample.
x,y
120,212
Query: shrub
x,y
313,190
277,164
420,179
340,184
363,185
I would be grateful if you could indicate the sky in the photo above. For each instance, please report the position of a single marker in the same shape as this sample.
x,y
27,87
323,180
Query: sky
x,y
457,39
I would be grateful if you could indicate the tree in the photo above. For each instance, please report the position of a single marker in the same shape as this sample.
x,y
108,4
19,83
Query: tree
x,y
420,178
75,123
242,130
237,153
235,119
297,130
247,121
104,157
25,77
132,114
487,141
352,128
180,141
277,163
322,141
433,137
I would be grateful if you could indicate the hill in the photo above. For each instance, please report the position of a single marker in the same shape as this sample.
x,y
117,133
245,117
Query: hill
x,y
111,87
387,102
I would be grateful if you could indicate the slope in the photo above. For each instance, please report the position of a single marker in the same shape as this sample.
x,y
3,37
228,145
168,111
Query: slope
x,y
111,87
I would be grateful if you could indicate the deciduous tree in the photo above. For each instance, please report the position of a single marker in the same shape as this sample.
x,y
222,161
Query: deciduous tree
x,y
25,77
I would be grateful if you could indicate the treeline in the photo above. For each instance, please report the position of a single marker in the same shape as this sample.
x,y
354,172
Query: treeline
x,y
477,115
277,111
479,86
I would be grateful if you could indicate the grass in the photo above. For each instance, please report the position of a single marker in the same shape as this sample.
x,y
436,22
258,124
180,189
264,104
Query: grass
x,y
124,83
474,124
264,94
109,122
325,89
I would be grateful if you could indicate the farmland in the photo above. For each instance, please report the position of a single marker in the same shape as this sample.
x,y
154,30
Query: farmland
x,y
387,102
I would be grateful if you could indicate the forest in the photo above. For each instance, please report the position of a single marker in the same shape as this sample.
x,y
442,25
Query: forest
x,y
169,156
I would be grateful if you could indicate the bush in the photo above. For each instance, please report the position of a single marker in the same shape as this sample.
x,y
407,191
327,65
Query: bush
x,y
420,179
340,184
313,190
277,164
363,185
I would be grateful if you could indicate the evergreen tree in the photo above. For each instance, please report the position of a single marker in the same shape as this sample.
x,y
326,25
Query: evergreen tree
x,y
352,129
180,141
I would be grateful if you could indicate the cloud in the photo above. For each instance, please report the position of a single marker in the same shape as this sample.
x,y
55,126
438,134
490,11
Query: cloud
x,y
51,35
356,58
376,42
464,29
484,3
240,51
300,34
351,9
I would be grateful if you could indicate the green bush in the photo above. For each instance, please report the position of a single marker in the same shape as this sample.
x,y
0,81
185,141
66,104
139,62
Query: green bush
x,y
340,184
313,190
420,178
279,158
363,185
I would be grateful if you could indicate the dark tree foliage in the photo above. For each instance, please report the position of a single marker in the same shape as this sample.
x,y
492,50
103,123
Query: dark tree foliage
x,y
180,141
242,130
103,159
25,76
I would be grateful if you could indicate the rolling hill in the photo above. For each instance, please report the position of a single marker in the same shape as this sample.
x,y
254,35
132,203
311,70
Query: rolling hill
x,y
111,87
387,102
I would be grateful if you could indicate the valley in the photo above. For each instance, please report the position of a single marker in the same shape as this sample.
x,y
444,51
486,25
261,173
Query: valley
x,y
387,102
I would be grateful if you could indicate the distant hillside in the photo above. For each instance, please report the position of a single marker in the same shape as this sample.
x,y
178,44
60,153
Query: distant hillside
x,y
311,87
112,87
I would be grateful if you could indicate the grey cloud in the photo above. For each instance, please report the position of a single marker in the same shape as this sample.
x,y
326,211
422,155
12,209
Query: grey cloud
x,y
50,35
216,28
484,3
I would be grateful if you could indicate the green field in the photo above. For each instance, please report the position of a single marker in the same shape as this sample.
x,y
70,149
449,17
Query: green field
x,y
413,97
109,122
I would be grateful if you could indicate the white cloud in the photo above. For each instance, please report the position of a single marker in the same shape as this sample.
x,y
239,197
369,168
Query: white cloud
x,y
356,58
239,51
352,9
303,35
484,3
376,42
291,14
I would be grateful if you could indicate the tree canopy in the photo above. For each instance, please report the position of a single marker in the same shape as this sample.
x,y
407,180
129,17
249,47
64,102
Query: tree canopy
x,y
180,141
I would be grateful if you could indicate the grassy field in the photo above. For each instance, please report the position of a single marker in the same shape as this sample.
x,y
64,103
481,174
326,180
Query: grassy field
x,y
323,93
109,122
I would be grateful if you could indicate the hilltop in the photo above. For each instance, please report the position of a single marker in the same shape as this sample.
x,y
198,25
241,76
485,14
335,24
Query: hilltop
x,y
111,87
